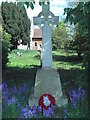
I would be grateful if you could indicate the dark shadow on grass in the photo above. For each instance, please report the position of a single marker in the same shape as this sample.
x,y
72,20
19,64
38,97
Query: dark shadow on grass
x,y
37,57
17,75
72,59
68,78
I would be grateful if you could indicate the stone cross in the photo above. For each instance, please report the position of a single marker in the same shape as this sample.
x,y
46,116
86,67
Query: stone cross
x,y
47,79
46,20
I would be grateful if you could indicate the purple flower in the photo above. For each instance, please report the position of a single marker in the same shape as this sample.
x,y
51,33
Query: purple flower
x,y
39,108
44,112
4,85
18,105
49,109
26,109
12,100
5,100
73,101
14,89
79,89
51,112
33,111
47,113
0,87
5,90
65,111
4,93
30,114
76,96
0,107
20,91
74,93
25,115
52,106
34,107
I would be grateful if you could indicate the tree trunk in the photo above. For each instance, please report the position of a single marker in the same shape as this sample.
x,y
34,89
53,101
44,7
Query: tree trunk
x,y
79,54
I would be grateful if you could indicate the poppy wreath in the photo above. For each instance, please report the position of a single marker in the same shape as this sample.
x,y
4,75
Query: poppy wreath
x,y
41,102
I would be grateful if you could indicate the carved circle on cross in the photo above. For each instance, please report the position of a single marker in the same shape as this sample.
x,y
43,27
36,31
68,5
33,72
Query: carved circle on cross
x,y
46,18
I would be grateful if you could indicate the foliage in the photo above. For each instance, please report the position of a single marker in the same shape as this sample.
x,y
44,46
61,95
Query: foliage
x,y
59,36
78,106
61,59
31,4
20,77
80,15
5,47
14,104
16,22
82,81
79,42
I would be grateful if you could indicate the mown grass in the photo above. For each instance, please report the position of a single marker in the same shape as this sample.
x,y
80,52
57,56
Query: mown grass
x,y
22,69
66,60
61,58
28,58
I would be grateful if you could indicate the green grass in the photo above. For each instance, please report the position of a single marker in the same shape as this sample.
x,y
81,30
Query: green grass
x,y
23,69
28,58
66,60
61,59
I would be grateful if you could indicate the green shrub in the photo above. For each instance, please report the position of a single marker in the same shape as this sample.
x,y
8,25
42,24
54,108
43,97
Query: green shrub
x,y
5,47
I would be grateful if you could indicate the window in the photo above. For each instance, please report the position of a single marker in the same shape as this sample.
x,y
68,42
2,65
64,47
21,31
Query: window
x,y
35,44
40,45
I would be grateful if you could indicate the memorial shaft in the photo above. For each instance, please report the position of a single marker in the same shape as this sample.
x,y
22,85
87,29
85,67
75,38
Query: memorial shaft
x,y
46,46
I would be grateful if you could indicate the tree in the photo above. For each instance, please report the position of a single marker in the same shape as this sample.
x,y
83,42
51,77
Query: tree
x,y
16,23
80,15
5,47
59,36
78,42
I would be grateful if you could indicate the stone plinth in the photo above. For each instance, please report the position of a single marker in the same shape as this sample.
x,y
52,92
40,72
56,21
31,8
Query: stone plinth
x,y
48,81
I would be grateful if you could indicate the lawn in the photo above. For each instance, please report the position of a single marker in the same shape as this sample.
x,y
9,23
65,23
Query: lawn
x,y
21,70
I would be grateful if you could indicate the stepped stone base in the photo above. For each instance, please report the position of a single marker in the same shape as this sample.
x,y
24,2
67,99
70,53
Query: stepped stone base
x,y
48,81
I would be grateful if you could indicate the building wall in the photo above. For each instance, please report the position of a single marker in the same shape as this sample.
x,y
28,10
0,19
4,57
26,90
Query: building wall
x,y
36,42
23,47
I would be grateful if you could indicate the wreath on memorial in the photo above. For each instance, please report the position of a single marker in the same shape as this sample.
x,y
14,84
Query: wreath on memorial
x,y
46,100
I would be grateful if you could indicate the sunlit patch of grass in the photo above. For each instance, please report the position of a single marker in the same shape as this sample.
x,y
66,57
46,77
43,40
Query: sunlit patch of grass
x,y
61,59
26,59
66,60
66,65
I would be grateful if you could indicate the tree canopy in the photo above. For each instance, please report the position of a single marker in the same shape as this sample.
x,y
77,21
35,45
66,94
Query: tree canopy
x,y
16,22
5,47
60,36
79,15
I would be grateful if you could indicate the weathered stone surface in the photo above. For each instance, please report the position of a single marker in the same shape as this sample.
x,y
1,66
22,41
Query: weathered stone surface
x,y
48,81
46,20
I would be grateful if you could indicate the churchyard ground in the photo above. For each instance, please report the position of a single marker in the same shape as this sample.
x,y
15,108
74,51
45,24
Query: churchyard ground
x,y
21,70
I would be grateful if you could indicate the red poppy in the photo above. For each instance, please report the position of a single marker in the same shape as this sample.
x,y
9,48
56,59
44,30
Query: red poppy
x,y
51,99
